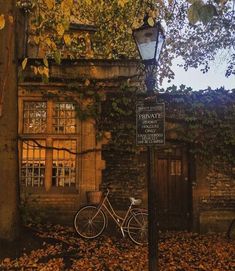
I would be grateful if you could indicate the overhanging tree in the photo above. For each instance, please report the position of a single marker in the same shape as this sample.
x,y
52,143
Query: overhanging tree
x,y
196,30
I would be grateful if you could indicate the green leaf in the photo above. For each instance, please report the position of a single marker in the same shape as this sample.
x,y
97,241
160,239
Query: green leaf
x,y
207,12
57,57
193,14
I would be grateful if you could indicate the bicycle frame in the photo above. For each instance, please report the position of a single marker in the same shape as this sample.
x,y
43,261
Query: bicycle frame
x,y
106,205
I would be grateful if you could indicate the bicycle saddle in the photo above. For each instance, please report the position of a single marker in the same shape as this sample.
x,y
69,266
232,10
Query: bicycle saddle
x,y
135,201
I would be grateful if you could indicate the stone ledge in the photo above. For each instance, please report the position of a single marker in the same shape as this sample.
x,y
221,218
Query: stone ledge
x,y
215,221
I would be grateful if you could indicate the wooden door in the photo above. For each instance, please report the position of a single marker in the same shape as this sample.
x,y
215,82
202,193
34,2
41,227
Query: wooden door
x,y
174,190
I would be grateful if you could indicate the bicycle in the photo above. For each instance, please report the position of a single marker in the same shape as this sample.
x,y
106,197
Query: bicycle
x,y
90,221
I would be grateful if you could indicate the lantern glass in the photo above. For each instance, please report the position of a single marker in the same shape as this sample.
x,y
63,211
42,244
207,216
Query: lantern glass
x,y
149,41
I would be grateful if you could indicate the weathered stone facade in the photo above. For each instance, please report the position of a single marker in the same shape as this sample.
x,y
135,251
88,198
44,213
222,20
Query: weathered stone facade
x,y
210,195
214,200
59,203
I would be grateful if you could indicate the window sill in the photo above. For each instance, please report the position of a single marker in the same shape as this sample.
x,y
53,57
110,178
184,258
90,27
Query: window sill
x,y
53,190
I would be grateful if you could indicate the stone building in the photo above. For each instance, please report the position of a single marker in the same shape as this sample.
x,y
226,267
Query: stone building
x,y
61,158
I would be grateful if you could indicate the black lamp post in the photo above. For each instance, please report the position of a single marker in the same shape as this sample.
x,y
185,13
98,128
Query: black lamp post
x,y
149,40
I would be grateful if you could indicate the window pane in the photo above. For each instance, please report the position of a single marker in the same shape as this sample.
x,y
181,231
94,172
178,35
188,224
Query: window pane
x,y
34,117
176,167
33,164
64,118
64,162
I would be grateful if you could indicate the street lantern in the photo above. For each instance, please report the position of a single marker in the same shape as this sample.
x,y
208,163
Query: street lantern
x,y
149,40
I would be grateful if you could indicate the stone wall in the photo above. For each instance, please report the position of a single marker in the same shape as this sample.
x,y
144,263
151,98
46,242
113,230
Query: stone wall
x,y
216,201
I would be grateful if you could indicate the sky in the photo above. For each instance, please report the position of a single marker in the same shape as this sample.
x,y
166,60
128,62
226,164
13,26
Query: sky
x,y
194,78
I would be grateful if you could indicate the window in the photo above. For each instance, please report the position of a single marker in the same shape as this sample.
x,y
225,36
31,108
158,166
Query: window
x,y
33,164
64,163
176,167
56,149
64,121
34,117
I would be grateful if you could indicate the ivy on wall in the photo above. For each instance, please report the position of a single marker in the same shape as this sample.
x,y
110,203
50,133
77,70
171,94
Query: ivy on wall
x,y
202,120
206,121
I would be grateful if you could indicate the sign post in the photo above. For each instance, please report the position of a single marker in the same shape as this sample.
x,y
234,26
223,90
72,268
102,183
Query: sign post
x,y
150,123
150,131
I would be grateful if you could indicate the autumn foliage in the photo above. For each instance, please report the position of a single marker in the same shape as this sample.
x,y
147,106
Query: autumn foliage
x,y
59,249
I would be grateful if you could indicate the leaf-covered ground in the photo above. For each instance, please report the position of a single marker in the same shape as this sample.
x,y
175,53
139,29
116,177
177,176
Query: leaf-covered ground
x,y
58,248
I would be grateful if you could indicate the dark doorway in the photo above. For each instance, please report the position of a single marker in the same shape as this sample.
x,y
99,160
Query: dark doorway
x,y
174,189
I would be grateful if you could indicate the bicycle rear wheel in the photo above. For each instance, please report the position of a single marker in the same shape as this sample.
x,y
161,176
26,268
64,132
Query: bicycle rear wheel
x,y
137,228
89,222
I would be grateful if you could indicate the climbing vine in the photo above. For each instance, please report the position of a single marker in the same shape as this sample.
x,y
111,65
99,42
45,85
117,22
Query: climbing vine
x,y
202,120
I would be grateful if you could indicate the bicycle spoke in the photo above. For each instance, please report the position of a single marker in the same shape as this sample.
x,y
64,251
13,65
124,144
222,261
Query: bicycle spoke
x,y
137,228
89,222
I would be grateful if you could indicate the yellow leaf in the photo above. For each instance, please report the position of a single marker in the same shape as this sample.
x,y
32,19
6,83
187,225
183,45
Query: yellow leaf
x,y
60,29
67,39
36,39
2,21
45,61
87,82
122,2
46,71
151,21
66,7
50,3
88,2
48,42
41,70
24,63
68,3
53,45
35,69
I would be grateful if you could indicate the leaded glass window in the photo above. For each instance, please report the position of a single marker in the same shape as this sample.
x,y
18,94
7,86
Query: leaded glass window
x,y
64,161
64,118
33,163
34,117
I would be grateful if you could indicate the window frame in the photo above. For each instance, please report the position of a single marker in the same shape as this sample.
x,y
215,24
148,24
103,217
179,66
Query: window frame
x,y
49,137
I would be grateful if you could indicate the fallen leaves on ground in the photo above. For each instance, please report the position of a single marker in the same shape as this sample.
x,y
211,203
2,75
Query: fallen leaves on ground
x,y
62,250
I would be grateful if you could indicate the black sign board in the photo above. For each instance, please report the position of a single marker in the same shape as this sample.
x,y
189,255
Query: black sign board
x,y
150,123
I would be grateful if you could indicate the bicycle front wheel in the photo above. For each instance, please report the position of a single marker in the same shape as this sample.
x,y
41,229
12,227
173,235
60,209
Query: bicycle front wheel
x,y
89,222
137,228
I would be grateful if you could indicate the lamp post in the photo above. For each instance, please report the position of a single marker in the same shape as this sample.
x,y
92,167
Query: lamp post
x,y
149,40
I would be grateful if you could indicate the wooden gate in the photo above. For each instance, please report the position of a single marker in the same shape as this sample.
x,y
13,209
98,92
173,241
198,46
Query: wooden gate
x,y
174,190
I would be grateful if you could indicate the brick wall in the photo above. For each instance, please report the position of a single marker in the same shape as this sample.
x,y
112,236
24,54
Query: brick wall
x,y
216,201
125,174
221,192
50,208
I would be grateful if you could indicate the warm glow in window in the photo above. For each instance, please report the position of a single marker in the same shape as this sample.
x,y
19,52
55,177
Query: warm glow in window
x,y
176,168
64,118
34,117
64,161
33,164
